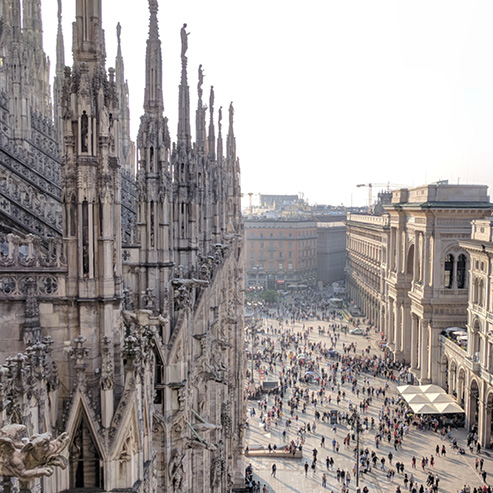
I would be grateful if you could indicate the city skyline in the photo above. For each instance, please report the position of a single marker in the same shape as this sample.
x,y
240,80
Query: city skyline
x,y
329,95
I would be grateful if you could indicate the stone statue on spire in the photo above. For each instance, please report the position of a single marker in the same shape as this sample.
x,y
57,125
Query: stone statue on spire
x,y
119,33
220,118
184,42
59,11
201,81
211,100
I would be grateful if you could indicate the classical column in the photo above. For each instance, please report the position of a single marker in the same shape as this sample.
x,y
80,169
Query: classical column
x,y
425,261
425,351
390,334
398,331
414,341
415,260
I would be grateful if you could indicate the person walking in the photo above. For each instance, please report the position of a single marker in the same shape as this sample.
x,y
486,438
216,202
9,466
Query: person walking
x,y
274,469
306,468
324,480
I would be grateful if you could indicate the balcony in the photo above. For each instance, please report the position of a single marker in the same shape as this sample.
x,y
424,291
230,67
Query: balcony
x,y
453,349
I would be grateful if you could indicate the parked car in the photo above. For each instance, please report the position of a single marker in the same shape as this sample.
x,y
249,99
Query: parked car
x,y
357,331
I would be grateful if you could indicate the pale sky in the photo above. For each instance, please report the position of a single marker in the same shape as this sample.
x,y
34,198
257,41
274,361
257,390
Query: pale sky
x,y
327,94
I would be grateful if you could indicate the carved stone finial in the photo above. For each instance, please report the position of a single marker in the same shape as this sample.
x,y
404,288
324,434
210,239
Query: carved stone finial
x,y
29,458
119,33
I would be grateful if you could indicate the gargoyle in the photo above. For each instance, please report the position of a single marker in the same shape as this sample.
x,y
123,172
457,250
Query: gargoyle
x,y
29,458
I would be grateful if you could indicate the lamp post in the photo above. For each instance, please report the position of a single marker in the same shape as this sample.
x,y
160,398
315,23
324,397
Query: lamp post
x,y
356,426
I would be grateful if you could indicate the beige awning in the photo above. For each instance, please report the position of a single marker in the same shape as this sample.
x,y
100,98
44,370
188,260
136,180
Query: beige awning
x,y
429,399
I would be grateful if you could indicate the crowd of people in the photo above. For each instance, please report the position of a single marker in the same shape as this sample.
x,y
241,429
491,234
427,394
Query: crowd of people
x,y
318,374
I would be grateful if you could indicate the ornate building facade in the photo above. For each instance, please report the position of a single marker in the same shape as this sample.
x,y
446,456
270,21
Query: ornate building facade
x,y
121,300
431,275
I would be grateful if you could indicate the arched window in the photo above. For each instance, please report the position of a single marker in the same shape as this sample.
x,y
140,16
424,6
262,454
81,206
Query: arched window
x,y
410,261
449,271
461,271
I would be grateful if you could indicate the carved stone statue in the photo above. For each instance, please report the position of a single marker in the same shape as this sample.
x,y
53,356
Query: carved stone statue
x,y
201,80
176,470
184,41
26,458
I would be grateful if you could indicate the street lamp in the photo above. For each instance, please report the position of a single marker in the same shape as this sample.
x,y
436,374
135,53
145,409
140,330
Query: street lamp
x,y
355,425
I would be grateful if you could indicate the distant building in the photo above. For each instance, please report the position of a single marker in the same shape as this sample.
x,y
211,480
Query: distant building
x,y
280,253
331,251
277,201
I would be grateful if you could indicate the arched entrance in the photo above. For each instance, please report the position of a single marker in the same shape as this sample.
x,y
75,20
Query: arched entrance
x,y
488,424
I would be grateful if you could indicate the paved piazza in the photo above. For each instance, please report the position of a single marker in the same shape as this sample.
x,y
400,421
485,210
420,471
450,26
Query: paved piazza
x,y
454,470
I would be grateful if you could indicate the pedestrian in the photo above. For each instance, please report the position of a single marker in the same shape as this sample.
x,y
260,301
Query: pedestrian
x,y
306,468
476,464
324,480
444,451
481,463
264,489
274,469
483,475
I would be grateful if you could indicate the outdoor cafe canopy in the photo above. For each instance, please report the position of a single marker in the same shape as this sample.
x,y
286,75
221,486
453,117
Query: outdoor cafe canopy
x,y
429,399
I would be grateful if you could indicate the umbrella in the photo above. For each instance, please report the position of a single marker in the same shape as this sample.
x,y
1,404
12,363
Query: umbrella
x,y
311,373
408,389
417,399
439,398
449,408
424,408
431,389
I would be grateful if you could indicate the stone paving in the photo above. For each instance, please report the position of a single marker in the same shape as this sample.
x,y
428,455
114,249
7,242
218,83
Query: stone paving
x,y
454,470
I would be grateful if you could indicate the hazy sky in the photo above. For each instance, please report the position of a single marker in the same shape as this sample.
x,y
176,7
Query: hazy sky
x,y
327,94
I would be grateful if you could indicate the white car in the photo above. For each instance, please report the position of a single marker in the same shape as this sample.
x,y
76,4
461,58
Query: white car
x,y
357,331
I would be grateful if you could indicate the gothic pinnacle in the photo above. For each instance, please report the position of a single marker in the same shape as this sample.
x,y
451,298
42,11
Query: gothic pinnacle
x,y
153,97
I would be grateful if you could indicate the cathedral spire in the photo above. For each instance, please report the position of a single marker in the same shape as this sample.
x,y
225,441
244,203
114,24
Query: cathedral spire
x,y
59,77
231,141
88,44
32,25
127,147
212,137
200,117
16,20
153,97
60,48
184,137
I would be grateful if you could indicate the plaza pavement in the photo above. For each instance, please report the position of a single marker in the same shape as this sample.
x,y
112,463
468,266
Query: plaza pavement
x,y
454,470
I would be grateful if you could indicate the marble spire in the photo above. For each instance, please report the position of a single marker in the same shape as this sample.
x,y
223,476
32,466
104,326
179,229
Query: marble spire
x,y
184,137
153,96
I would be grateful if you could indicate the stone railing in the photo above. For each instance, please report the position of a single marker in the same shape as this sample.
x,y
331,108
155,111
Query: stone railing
x,y
382,221
24,260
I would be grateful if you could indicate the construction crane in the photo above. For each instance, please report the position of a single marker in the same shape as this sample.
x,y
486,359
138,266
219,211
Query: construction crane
x,y
370,189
